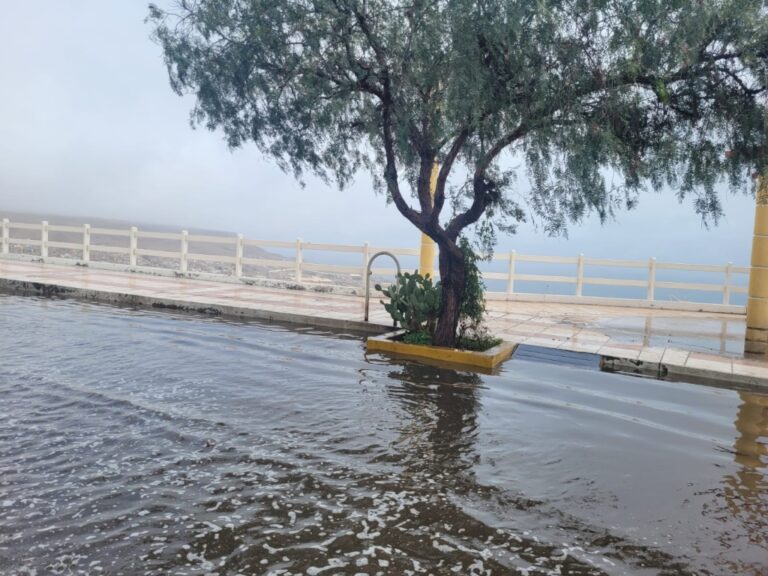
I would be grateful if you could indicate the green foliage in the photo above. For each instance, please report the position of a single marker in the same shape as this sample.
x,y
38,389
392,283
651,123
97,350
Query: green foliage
x,y
478,342
414,302
472,334
600,99
593,101
422,338
472,311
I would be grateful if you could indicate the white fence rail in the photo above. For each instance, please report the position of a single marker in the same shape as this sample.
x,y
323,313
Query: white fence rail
x,y
649,284
181,248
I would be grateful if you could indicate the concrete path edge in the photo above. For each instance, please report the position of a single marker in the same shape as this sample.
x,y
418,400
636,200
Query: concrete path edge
x,y
52,290
656,370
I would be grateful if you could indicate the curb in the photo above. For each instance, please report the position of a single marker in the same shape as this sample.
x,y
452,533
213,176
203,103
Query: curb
x,y
50,290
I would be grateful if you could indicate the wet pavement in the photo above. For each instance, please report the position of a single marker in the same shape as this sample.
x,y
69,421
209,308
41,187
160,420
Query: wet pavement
x,y
690,342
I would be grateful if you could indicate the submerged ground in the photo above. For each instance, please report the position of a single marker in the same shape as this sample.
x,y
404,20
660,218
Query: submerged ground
x,y
142,443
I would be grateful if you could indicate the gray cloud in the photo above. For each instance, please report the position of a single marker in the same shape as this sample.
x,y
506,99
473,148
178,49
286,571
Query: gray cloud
x,y
90,127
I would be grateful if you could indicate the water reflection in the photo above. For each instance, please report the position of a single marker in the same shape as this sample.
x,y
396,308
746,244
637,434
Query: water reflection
x,y
439,435
746,490
439,448
724,335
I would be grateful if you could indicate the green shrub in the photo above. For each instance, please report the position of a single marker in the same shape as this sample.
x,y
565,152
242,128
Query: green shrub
x,y
472,312
414,302
478,341
472,334
422,338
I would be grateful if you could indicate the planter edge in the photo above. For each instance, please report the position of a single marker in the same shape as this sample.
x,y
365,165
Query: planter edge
x,y
488,359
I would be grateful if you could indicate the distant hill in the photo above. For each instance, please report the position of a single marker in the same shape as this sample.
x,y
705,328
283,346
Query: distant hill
x,y
61,220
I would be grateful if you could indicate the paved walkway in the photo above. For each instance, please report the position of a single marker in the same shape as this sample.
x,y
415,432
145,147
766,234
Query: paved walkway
x,y
682,345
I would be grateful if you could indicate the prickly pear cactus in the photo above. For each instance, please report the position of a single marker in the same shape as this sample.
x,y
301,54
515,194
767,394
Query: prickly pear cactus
x,y
414,301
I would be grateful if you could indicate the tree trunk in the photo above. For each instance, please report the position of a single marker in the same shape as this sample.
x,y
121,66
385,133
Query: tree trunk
x,y
452,282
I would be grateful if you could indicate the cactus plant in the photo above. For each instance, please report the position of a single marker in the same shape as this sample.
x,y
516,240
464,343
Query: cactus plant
x,y
414,302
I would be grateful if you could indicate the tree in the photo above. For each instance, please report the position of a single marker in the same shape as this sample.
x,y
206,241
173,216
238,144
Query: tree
x,y
597,99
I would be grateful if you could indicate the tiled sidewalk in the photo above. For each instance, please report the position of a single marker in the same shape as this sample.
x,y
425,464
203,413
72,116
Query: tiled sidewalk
x,y
696,345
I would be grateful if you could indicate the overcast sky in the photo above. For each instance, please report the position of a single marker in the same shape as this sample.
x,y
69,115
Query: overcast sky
x,y
89,126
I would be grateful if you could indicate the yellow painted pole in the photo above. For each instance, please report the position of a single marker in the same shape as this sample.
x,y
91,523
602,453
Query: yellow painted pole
x,y
756,341
427,257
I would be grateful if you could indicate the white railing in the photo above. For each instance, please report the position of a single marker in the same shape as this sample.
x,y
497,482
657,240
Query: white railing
x,y
649,284
131,245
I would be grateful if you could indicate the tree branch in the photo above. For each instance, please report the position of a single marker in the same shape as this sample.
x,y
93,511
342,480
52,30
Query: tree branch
x,y
445,170
390,170
362,21
480,185
649,81
423,186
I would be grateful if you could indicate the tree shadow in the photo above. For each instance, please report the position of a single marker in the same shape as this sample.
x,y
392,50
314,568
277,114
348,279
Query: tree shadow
x,y
438,437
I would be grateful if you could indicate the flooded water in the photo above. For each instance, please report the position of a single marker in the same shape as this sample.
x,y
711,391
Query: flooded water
x,y
140,443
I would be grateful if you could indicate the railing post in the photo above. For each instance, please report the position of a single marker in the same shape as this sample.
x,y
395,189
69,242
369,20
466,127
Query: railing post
x,y
86,242
5,235
651,291
723,336
511,272
183,263
134,245
580,275
299,260
366,256
239,256
44,239
727,285
648,330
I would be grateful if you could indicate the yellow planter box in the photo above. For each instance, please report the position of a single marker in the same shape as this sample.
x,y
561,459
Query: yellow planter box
x,y
485,360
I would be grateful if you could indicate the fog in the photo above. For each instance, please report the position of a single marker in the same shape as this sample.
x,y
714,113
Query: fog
x,y
90,127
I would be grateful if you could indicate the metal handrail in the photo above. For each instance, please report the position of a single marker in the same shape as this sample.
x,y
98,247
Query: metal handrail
x,y
368,279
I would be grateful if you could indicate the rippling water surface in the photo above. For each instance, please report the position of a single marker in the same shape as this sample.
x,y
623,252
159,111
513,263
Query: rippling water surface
x,y
134,442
